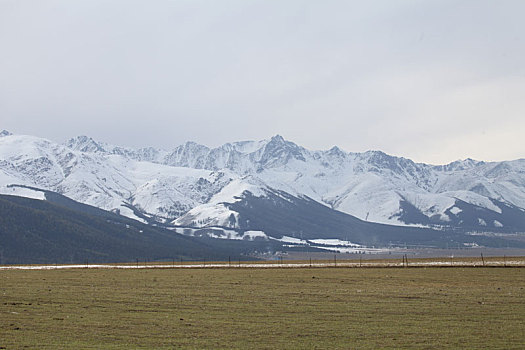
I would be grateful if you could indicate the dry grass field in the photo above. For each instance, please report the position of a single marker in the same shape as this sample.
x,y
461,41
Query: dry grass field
x,y
297,308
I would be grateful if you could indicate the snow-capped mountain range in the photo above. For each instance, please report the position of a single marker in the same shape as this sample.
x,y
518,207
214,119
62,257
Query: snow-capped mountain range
x,y
193,185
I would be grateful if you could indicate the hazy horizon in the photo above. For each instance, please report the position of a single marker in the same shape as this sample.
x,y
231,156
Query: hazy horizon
x,y
432,81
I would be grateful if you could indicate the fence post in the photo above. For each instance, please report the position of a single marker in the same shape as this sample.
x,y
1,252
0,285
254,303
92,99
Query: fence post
x,y
482,260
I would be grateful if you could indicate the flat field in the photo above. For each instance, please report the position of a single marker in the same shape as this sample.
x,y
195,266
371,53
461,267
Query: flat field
x,y
295,308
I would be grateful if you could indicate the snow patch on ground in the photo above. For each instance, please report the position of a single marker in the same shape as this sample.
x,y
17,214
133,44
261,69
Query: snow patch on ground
x,y
286,239
350,250
252,235
273,265
22,192
207,215
334,242
333,245
220,233
455,210
125,211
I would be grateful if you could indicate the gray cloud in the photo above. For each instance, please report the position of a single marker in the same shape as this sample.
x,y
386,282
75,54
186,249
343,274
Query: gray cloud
x,y
431,80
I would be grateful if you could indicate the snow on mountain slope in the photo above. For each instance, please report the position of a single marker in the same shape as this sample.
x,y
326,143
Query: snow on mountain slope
x,y
176,191
33,160
372,185
23,192
185,183
215,212
111,182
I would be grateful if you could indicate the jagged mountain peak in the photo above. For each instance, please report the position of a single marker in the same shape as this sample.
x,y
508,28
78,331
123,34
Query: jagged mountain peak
x,y
247,147
84,143
241,157
193,144
336,151
464,164
89,145
279,152
5,133
379,155
382,160
278,138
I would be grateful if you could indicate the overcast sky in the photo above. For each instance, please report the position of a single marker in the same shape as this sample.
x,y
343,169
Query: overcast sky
x,y
434,81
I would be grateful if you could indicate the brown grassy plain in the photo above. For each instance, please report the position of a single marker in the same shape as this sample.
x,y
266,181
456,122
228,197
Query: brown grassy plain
x,y
298,308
